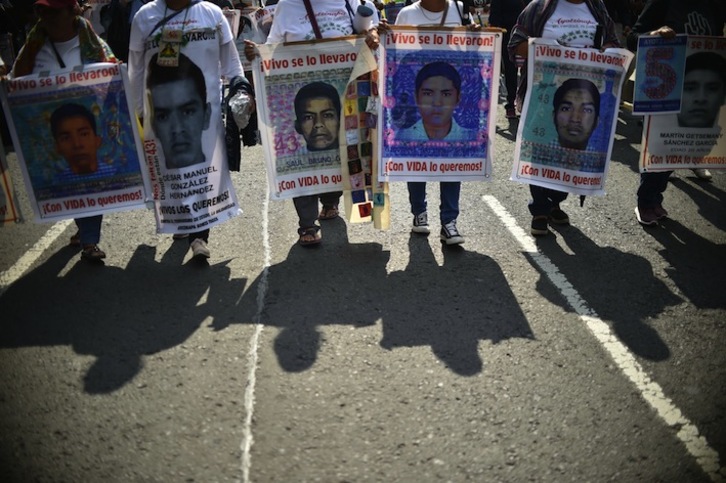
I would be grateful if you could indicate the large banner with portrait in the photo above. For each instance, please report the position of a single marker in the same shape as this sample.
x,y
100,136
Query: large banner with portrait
x,y
9,209
438,105
76,142
693,137
183,132
569,117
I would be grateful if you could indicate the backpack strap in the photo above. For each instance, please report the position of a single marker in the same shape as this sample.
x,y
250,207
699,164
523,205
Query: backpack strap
x,y
313,21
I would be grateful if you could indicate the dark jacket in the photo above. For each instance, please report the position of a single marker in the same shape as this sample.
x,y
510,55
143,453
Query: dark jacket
x,y
694,17
504,13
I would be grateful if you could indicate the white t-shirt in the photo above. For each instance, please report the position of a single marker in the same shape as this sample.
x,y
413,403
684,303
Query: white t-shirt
x,y
415,14
209,44
291,22
571,24
69,51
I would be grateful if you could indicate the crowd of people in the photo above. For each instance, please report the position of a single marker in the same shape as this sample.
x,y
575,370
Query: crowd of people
x,y
61,37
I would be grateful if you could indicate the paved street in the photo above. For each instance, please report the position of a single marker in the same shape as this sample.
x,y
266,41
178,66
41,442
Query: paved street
x,y
594,354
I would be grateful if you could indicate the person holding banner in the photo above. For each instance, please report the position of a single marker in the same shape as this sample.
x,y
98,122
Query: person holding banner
x,y
178,53
667,18
573,23
61,39
299,20
437,91
504,14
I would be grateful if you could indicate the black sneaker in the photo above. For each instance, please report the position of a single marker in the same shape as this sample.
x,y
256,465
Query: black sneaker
x,y
450,235
421,224
539,225
559,217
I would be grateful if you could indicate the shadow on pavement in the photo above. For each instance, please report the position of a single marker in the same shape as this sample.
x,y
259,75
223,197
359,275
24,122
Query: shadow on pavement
x,y
450,308
696,265
116,315
620,287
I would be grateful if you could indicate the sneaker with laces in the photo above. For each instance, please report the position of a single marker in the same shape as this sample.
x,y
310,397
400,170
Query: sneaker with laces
x,y
421,223
199,248
450,235
558,216
702,173
539,225
660,212
646,216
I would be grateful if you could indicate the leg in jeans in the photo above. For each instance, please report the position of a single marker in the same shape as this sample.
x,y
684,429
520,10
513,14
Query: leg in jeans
x,y
331,199
510,73
307,210
544,199
417,197
89,229
202,235
449,208
652,186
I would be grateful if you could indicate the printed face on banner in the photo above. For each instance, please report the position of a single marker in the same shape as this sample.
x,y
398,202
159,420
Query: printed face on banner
x,y
704,92
436,100
436,104
576,117
76,139
180,115
319,123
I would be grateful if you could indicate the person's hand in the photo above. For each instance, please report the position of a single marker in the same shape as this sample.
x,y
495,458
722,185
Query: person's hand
x,y
665,32
383,26
473,27
372,38
250,50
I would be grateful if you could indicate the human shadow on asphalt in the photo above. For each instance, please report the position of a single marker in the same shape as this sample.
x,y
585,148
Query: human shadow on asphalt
x,y
117,315
451,307
623,151
695,264
336,283
710,201
620,287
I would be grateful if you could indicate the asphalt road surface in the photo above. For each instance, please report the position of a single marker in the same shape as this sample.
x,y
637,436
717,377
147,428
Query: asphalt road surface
x,y
594,354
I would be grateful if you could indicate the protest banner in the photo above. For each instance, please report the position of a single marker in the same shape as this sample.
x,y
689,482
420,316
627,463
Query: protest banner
x,y
432,132
569,116
254,25
184,145
694,137
337,154
9,208
233,18
76,141
94,12
659,67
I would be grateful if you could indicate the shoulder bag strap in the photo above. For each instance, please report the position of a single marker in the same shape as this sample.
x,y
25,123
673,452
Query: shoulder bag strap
x,y
166,19
313,22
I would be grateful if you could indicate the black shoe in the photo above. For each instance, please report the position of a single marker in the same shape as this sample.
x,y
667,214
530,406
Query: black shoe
x,y
539,225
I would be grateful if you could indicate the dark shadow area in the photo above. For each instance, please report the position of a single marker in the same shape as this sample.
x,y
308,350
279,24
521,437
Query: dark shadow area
x,y
510,133
696,265
116,315
623,151
710,204
451,307
620,287
336,283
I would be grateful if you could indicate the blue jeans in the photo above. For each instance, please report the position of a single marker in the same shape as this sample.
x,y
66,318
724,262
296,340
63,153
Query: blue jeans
x,y
449,208
89,229
652,186
544,199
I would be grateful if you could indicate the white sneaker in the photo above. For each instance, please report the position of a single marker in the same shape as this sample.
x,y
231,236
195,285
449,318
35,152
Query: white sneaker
x,y
450,235
199,248
421,224
702,173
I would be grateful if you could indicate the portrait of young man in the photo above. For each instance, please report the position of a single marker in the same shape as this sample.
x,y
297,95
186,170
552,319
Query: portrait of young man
x,y
576,112
317,115
704,90
438,92
75,137
180,111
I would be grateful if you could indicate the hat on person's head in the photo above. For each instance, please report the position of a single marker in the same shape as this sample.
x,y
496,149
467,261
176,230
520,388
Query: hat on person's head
x,y
57,4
